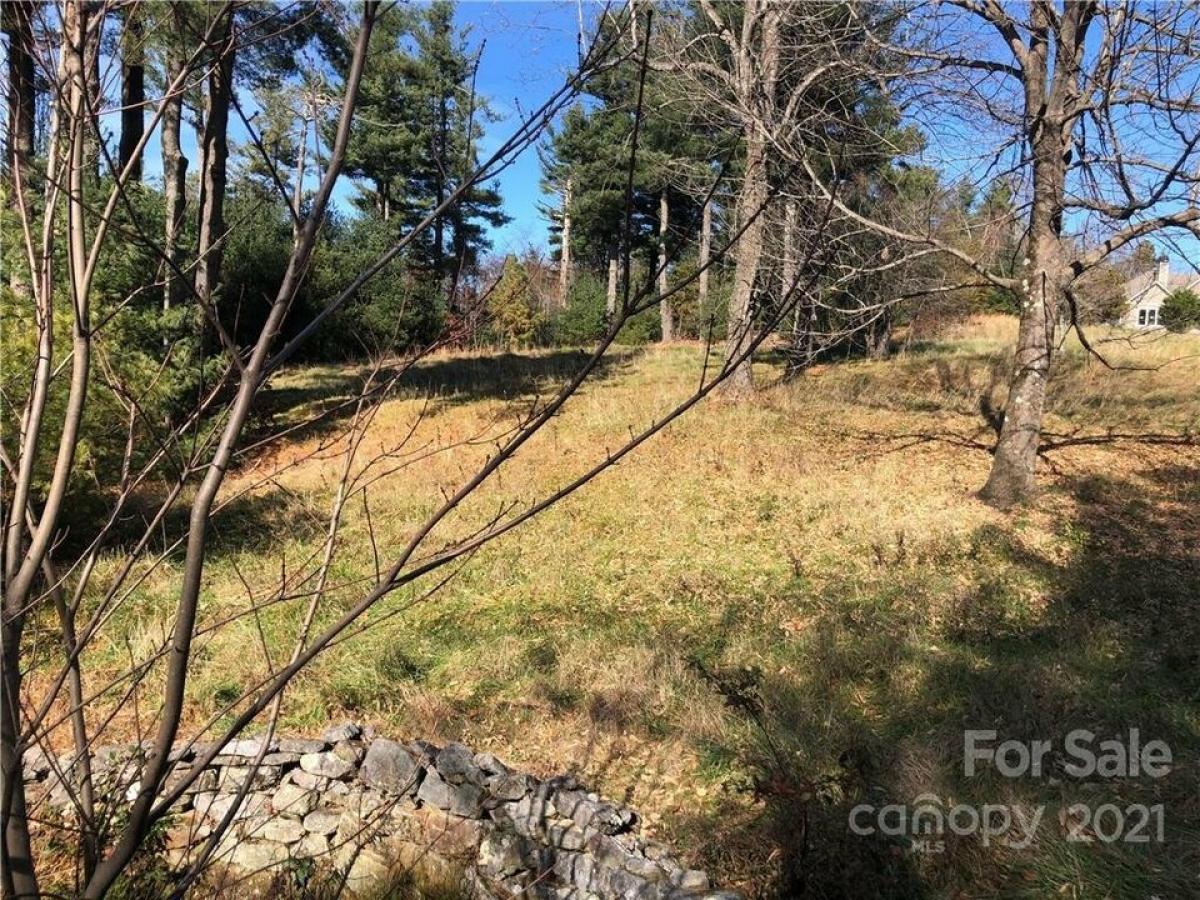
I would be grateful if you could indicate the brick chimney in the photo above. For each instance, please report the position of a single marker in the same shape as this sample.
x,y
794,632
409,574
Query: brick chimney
x,y
1164,270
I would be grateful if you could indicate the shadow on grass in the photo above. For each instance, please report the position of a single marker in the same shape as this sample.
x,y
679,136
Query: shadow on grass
x,y
872,705
451,379
320,409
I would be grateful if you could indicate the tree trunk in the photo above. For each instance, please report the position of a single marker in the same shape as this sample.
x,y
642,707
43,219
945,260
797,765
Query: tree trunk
x,y
17,877
298,185
174,178
705,254
740,333
95,88
18,29
564,256
665,313
879,336
788,271
133,93
214,158
610,298
1011,480
757,67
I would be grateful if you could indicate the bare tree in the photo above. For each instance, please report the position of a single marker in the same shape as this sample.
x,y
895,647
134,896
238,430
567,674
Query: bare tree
x,y
214,156
1094,110
765,67
174,164
18,29
19,121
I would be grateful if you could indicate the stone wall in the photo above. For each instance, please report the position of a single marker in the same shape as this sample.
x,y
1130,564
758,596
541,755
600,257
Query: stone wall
x,y
370,807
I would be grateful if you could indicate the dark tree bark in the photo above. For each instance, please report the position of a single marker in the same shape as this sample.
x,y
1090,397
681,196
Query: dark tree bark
x,y
879,336
133,93
18,29
175,166
214,156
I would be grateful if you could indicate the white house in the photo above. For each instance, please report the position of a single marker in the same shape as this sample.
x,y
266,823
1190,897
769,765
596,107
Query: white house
x,y
1146,292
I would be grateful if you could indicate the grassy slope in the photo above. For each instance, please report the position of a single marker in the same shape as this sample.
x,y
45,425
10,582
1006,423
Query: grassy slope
x,y
774,611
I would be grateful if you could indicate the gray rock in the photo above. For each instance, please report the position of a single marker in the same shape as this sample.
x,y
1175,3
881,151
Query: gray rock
x,y
293,800
460,799
526,816
574,869
326,764
425,752
566,836
645,868
285,831
216,805
693,880
347,731
322,821
306,780
205,781
390,767
456,765
502,855
311,846
283,759
256,855
490,765
368,870
350,751
246,748
232,778
302,745
509,787
35,764
587,813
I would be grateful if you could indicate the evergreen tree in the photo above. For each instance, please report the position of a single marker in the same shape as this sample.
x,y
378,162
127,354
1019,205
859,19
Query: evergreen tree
x,y
510,306
416,144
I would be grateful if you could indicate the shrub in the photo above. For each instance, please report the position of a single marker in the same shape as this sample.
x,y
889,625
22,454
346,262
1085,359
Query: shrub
x,y
510,306
1181,311
393,312
583,321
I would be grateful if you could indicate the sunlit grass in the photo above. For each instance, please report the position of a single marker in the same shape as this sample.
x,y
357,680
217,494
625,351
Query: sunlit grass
x,y
774,608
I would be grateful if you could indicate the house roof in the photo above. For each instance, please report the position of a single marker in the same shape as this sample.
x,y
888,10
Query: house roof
x,y
1139,284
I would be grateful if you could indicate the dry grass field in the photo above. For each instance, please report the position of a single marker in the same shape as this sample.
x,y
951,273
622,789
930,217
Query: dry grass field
x,y
772,612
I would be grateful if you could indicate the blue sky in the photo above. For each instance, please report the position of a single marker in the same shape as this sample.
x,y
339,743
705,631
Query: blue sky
x,y
529,48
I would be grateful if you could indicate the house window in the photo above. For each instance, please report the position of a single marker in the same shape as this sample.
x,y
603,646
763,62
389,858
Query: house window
x,y
1141,317
1152,317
